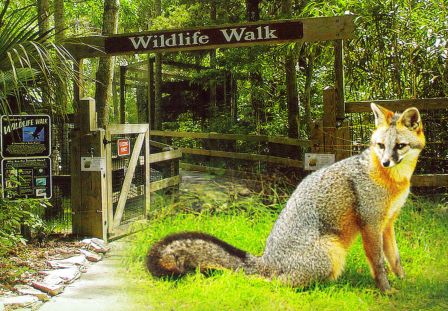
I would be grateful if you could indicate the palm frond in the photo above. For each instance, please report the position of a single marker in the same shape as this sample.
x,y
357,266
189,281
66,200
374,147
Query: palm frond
x,y
29,61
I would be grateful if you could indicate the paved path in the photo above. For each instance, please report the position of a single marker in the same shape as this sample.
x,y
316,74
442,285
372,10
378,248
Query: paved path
x,y
98,289
102,288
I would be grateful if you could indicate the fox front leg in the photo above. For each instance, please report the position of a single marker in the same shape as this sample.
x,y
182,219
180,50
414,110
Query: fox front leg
x,y
373,246
391,250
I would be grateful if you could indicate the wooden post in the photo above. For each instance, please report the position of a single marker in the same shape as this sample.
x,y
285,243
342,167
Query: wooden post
x,y
115,98
78,84
89,193
317,137
336,138
339,77
343,148
147,175
329,119
123,70
151,94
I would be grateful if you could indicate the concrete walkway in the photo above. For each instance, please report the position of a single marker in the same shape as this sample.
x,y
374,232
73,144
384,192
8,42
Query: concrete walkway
x,y
100,288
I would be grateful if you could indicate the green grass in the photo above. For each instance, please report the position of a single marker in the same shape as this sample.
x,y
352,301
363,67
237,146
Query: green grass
x,y
422,234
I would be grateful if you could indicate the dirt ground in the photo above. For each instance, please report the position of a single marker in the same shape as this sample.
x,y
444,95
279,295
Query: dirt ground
x,y
21,265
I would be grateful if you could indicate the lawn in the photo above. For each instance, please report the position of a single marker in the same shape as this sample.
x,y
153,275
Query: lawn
x,y
422,234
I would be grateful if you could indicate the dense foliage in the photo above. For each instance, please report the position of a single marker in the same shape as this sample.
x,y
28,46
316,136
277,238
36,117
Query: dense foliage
x,y
400,51
17,213
32,67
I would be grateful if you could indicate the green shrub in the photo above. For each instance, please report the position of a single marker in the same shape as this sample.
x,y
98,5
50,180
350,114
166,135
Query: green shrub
x,y
16,213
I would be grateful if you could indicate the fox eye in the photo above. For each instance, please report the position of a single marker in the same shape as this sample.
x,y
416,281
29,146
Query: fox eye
x,y
401,146
381,146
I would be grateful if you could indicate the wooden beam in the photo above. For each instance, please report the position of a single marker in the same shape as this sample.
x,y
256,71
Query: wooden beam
x,y
217,170
314,29
339,77
430,180
254,138
244,156
329,119
123,70
87,115
127,128
165,156
147,174
398,104
160,145
164,183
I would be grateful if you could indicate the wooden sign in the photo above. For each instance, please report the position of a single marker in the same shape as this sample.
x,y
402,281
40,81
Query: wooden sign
x,y
244,34
25,136
27,178
248,34
124,147
316,161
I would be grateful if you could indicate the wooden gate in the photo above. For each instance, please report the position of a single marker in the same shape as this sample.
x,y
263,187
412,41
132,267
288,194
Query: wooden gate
x,y
104,186
127,175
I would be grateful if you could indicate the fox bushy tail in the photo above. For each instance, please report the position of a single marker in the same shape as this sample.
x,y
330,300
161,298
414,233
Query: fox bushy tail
x,y
181,253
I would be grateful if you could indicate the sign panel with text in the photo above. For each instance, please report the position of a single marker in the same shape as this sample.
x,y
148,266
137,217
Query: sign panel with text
x,y
25,136
27,178
205,38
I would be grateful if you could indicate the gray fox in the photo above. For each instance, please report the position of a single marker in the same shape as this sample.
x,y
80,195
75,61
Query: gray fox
x,y
308,242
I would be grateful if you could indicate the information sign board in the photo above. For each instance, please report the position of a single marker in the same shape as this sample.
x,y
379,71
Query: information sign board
x,y
26,178
25,136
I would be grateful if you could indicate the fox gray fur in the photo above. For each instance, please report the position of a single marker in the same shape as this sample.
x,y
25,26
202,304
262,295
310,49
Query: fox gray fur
x,y
308,242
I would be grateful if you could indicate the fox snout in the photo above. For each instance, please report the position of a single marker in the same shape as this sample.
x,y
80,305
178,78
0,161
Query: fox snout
x,y
390,160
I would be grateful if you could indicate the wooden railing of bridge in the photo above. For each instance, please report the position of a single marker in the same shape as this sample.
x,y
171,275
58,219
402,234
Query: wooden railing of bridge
x,y
328,135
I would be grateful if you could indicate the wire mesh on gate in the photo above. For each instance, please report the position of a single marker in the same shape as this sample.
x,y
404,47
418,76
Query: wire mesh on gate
x,y
135,201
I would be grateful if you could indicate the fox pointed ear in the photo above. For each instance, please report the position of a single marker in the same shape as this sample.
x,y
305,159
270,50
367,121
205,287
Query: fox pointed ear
x,y
411,118
383,116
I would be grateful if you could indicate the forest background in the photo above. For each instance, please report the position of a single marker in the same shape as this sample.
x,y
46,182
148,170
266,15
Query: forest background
x,y
400,50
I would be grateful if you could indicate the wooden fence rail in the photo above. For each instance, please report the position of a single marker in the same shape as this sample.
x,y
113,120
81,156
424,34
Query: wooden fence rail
x,y
252,138
240,137
398,104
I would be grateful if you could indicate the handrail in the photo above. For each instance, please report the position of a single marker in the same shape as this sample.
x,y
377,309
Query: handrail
x,y
398,104
254,138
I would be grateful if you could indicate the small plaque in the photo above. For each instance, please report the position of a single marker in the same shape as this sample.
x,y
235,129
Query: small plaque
x,y
316,161
93,164
124,147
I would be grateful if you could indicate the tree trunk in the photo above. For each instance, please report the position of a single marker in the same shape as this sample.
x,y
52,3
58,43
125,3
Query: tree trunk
x,y
252,10
104,73
213,105
256,78
291,81
43,14
59,28
307,94
59,20
158,79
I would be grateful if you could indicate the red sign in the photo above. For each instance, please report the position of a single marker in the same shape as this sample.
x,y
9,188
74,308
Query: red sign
x,y
124,147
